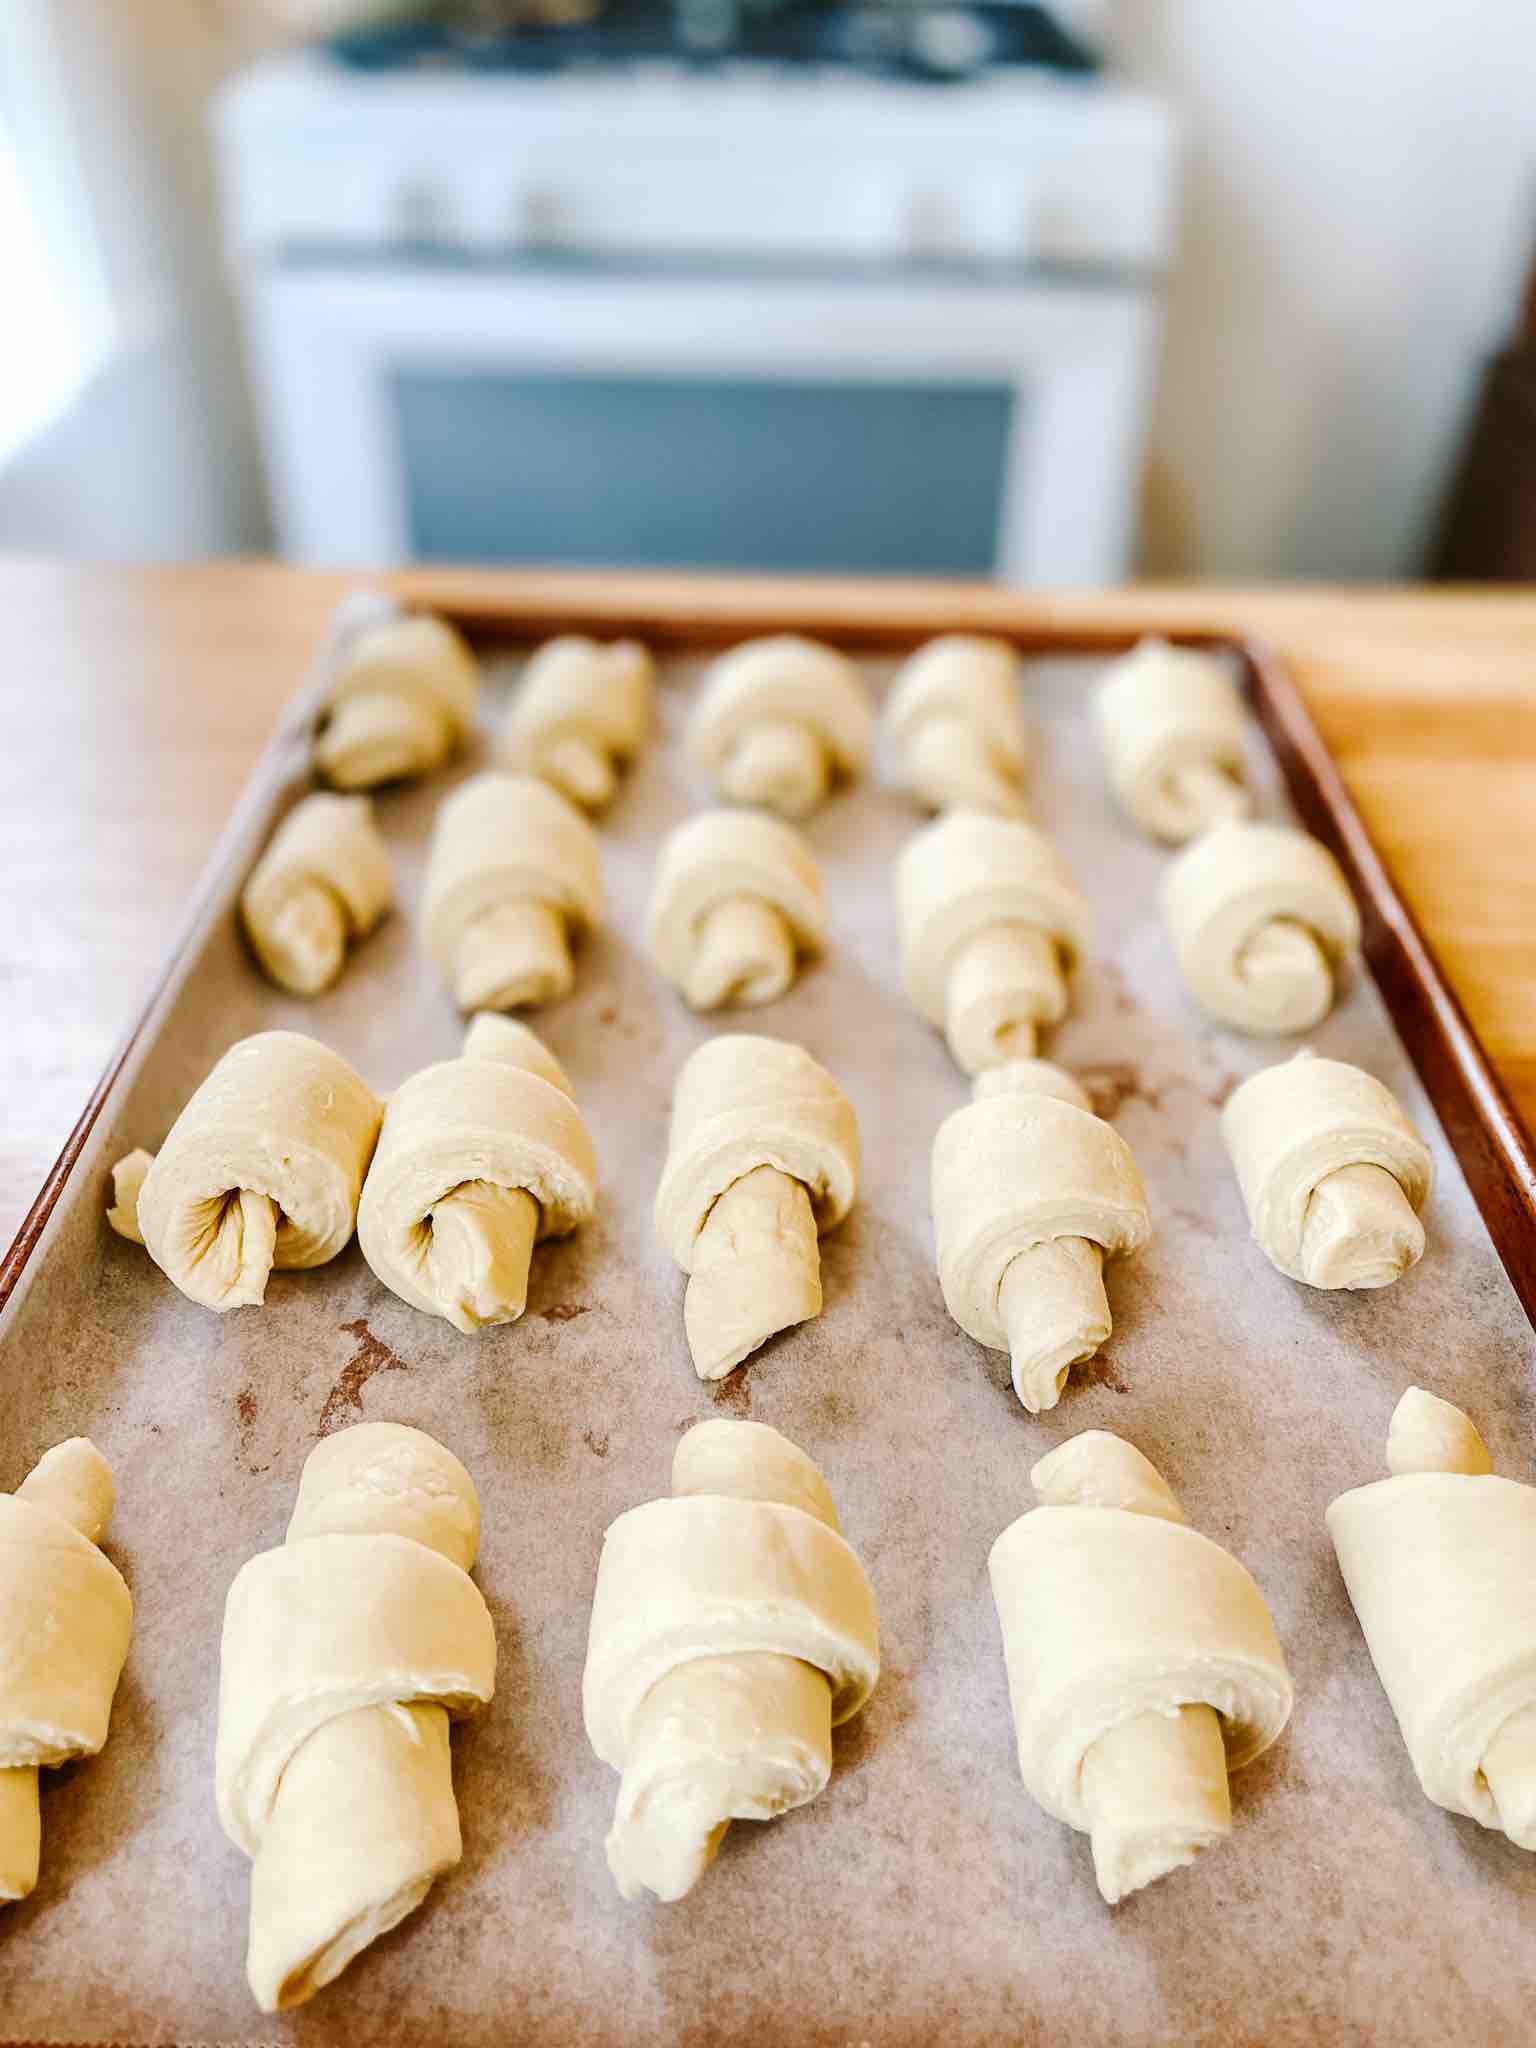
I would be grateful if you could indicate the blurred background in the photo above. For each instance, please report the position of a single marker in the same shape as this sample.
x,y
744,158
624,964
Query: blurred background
x,y
1059,295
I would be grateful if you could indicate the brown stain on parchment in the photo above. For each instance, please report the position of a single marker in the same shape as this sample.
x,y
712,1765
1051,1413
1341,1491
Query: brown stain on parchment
x,y
596,1442
372,1355
565,1311
1113,1083
733,1393
1099,1372
245,1414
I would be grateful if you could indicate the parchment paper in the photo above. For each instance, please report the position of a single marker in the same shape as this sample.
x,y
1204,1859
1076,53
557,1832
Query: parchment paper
x,y
923,1897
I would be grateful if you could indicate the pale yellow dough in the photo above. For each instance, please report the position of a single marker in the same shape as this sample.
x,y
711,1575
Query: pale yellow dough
x,y
513,876
323,882
990,922
1440,1563
479,1158
65,1620
346,1652
581,712
1332,1172
732,1629
1031,1193
262,1168
763,1157
402,695
1262,920
1143,1665
956,724
736,905
128,1177
778,722
1172,728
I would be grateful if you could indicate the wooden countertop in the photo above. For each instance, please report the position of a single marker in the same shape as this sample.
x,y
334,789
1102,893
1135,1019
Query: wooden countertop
x,y
136,700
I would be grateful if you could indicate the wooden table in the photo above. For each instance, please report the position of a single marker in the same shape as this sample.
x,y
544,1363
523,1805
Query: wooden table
x,y
136,700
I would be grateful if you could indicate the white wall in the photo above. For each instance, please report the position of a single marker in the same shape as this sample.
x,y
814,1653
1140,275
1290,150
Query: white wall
x,y
156,459
1358,214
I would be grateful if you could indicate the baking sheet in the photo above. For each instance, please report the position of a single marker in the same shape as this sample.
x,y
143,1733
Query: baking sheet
x,y
923,1896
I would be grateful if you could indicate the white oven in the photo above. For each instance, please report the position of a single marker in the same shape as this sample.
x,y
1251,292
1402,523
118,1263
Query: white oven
x,y
649,317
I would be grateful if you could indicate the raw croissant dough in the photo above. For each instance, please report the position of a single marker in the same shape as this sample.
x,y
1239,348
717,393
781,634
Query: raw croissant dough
x,y
478,1158
1031,1193
323,880
1172,727
990,922
736,903
763,1155
581,711
778,721
1440,1562
65,1619
262,1168
732,1630
345,1654
1331,1170
1143,1665
957,726
402,698
513,873
1261,918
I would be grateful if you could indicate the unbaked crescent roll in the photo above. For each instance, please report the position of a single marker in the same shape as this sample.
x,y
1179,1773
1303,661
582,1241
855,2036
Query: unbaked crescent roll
x,y
957,726
490,1036
513,875
323,881
262,1168
763,1156
1143,1665
1261,919
479,1158
732,1629
1172,728
65,1620
401,699
990,922
1332,1172
736,904
1031,1193
1440,1562
778,721
581,711
346,1652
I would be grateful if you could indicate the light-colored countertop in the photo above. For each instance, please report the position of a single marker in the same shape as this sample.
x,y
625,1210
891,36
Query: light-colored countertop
x,y
135,702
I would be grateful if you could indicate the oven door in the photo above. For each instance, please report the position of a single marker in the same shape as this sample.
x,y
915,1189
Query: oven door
x,y
904,421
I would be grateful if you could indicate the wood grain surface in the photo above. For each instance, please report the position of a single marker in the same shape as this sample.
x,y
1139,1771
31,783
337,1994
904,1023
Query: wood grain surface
x,y
137,700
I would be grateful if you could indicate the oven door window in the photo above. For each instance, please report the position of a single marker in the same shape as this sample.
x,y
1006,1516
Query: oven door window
x,y
702,472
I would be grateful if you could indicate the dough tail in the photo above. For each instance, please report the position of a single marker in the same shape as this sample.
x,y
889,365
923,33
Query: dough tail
x,y
1056,1313
21,1832
778,763
127,1184
1287,975
1002,984
1207,795
514,955
1360,1230
952,768
375,736
743,954
756,1270
303,942
580,771
1156,1793
482,1239
365,1820
719,1739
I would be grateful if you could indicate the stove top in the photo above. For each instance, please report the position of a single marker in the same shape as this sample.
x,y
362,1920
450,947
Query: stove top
x,y
937,44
